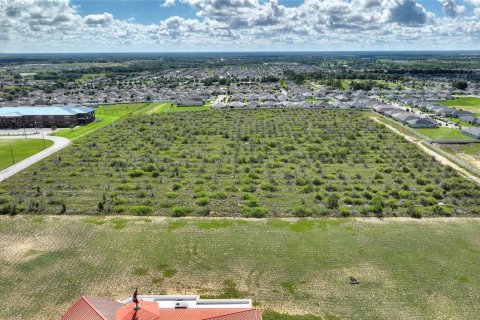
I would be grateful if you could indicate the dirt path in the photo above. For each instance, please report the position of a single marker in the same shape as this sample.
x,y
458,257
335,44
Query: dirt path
x,y
443,160
471,159
58,144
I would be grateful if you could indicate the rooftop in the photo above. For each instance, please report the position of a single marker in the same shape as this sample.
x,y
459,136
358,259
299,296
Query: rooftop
x,y
43,111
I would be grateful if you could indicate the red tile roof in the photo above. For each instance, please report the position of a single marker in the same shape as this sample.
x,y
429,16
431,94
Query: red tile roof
x,y
209,313
91,308
148,311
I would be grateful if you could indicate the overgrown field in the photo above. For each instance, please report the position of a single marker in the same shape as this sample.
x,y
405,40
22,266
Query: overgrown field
x,y
408,269
21,149
250,163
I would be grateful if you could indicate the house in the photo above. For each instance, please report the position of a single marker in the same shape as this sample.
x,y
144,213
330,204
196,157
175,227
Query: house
x,y
188,102
469,118
44,117
471,132
157,307
218,105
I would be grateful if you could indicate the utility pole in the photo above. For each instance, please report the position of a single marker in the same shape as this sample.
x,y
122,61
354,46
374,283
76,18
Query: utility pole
x,y
11,152
43,138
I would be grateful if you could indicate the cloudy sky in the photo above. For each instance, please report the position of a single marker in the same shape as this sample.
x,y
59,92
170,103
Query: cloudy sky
x,y
237,25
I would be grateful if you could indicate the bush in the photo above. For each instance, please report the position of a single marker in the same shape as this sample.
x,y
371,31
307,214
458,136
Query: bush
x,y
220,195
256,212
442,211
268,187
249,188
332,201
176,186
141,210
202,202
413,212
319,196
172,195
301,211
376,205
119,209
11,209
135,173
181,211
344,212
205,211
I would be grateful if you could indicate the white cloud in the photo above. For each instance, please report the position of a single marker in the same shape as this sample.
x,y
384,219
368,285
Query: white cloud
x,y
168,3
242,25
451,8
96,19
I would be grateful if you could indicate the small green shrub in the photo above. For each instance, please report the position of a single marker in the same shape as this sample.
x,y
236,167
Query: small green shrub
x,y
141,210
182,211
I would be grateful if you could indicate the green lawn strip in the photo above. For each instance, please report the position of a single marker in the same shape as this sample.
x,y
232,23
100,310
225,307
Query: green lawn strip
x,y
88,76
471,104
22,149
405,266
159,108
104,116
175,108
443,133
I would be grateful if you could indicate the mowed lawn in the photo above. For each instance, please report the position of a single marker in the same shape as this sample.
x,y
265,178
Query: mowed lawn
x,y
471,104
408,269
443,133
171,107
21,148
104,116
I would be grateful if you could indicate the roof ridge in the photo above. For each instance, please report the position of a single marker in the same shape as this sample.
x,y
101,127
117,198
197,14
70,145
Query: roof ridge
x,y
85,298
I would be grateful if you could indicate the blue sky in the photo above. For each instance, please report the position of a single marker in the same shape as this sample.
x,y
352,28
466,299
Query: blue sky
x,y
238,25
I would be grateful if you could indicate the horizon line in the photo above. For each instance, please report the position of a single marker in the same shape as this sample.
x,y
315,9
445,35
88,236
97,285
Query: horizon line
x,y
242,51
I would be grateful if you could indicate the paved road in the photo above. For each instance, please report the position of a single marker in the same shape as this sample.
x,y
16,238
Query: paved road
x,y
58,144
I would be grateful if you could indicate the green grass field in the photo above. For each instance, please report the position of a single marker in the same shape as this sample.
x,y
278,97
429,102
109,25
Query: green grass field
x,y
89,76
471,104
408,269
22,149
104,115
443,133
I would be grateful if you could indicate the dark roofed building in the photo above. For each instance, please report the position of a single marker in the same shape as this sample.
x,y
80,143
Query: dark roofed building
x,y
471,132
30,117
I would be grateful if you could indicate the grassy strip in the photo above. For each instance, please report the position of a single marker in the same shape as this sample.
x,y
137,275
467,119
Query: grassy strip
x,y
405,266
22,149
171,107
471,104
443,133
104,116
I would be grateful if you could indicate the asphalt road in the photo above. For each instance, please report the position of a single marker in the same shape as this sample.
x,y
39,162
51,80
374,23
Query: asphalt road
x,y
58,144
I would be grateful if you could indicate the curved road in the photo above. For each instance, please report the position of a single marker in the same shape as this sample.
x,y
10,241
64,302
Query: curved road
x,y
58,144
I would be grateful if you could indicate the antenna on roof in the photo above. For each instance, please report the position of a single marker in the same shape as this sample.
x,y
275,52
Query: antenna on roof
x,y
135,300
